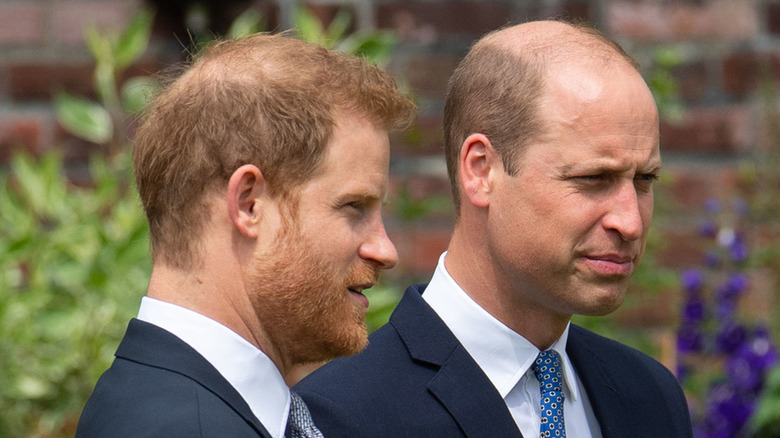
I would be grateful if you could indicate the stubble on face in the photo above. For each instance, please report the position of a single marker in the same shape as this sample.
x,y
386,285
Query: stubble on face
x,y
303,302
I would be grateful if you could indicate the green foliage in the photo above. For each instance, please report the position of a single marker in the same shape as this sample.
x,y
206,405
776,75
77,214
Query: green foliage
x,y
72,263
103,122
249,22
83,118
766,419
382,299
663,84
376,46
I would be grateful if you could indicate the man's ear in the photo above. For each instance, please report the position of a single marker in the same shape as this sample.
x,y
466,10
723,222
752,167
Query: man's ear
x,y
477,160
244,191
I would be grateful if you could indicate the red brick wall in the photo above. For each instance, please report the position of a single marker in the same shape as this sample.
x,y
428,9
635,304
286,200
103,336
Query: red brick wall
x,y
730,48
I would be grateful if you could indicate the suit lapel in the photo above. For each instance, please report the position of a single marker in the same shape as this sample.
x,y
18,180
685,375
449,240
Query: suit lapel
x,y
153,346
459,385
605,398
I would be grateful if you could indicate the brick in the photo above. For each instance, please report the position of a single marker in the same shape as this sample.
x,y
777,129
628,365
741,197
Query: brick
x,y
424,137
740,72
692,80
772,18
4,82
76,152
670,21
426,22
687,185
21,23
419,249
758,302
743,72
42,81
568,10
70,18
23,131
683,248
727,129
643,309
428,75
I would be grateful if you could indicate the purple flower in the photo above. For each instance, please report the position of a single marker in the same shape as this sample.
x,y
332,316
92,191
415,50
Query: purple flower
x,y
733,287
689,338
762,351
712,205
727,411
725,309
693,310
730,337
708,229
692,280
738,251
747,367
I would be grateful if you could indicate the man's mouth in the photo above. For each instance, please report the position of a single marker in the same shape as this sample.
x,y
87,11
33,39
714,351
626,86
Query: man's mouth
x,y
357,293
611,264
360,289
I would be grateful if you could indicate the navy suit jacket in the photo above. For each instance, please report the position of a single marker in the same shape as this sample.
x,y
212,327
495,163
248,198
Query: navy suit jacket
x,y
416,380
159,386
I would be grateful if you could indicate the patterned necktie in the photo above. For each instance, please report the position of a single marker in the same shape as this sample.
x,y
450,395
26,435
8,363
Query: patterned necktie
x,y
299,422
547,369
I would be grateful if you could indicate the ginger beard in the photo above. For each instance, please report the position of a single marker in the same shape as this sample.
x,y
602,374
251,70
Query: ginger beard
x,y
303,301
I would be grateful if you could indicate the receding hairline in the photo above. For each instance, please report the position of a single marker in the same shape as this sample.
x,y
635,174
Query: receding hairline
x,y
549,42
234,65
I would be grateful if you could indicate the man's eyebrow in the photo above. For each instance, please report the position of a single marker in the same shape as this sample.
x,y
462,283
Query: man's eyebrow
x,y
608,166
365,195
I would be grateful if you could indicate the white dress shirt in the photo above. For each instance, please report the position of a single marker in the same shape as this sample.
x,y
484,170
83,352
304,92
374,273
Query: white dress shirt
x,y
246,367
506,358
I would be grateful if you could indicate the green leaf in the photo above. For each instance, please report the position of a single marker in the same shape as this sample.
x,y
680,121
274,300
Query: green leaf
x,y
99,45
134,40
83,118
375,46
31,183
105,83
249,22
309,27
338,27
136,93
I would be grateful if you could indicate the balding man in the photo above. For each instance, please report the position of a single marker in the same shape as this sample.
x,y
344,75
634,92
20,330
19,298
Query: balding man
x,y
262,171
551,142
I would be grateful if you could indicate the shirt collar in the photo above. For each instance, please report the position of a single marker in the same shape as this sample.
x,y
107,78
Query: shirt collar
x,y
246,367
504,355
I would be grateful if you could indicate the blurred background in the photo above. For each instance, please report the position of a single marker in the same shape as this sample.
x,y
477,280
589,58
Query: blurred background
x,y
73,240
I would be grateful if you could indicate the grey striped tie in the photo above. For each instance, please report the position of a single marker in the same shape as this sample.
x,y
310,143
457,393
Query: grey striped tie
x,y
299,422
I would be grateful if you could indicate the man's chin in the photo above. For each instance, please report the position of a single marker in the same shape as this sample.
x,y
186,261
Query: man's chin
x,y
347,343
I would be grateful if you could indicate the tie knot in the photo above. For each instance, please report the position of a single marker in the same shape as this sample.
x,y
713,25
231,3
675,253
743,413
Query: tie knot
x,y
547,368
299,422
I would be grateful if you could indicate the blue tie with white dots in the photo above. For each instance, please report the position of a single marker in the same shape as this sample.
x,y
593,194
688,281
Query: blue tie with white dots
x,y
547,369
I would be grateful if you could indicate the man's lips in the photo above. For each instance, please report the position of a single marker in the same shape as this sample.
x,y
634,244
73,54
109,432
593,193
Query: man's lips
x,y
610,264
357,293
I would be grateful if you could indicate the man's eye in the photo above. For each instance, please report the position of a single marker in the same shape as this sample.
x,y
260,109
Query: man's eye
x,y
597,177
648,177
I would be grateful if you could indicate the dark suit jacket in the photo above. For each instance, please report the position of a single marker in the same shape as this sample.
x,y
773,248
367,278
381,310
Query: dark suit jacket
x,y
416,380
158,386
